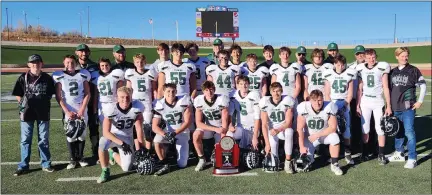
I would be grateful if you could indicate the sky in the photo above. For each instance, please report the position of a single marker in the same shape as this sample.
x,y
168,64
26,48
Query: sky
x,y
273,21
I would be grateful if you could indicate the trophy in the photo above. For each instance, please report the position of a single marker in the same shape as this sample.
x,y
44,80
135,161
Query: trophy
x,y
227,157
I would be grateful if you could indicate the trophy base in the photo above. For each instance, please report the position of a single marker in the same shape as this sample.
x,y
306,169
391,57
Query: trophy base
x,y
225,171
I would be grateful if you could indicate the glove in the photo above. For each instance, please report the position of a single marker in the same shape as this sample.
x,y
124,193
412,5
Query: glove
x,y
170,136
126,148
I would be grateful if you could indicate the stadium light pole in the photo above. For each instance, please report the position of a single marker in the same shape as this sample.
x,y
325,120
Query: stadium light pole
x,y
37,29
394,34
25,19
7,22
216,29
80,14
176,22
88,21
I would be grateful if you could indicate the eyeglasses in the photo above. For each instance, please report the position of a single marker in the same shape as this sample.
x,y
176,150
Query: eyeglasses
x,y
301,54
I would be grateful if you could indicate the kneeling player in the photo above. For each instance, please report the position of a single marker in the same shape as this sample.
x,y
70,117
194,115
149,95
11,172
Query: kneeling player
x,y
319,118
212,118
118,124
176,111
73,95
277,118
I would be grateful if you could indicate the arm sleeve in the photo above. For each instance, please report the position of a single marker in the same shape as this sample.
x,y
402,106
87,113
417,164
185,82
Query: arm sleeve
x,y
422,92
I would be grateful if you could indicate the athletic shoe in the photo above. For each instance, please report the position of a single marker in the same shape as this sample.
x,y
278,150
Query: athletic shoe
x,y
48,169
104,175
200,165
349,159
71,165
336,169
111,157
20,172
397,157
382,159
83,163
163,170
410,164
364,157
289,166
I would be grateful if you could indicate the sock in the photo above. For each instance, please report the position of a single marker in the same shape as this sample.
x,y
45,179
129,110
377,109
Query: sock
x,y
348,149
95,145
365,151
71,147
334,160
381,150
80,147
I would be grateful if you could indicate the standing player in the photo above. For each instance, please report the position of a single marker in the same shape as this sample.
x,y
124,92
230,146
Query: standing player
x,y
372,84
177,112
163,52
236,53
339,89
246,103
83,52
301,61
200,64
107,80
277,119
313,76
178,72
73,95
119,53
332,51
223,75
211,117
257,75
287,74
218,45
143,84
118,130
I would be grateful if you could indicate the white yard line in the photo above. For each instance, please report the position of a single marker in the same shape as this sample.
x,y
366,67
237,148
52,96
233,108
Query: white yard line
x,y
78,179
16,120
35,163
238,175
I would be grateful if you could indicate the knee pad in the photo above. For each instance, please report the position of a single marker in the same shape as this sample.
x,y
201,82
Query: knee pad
x,y
333,139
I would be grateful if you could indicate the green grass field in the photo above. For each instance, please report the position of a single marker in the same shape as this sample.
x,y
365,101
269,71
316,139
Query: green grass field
x,y
54,55
365,178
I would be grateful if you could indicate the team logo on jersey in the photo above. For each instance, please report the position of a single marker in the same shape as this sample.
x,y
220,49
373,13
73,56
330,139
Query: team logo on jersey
x,y
400,80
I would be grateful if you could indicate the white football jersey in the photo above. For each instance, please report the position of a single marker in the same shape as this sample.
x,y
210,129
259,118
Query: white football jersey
x,y
179,75
339,82
141,83
123,120
172,114
107,85
224,80
372,79
212,113
72,85
286,76
315,76
247,108
241,64
255,77
158,64
316,122
276,112
200,64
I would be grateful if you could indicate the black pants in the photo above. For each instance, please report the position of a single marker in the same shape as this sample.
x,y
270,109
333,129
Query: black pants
x,y
93,124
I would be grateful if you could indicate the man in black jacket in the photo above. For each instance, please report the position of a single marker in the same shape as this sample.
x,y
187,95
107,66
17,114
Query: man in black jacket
x,y
34,90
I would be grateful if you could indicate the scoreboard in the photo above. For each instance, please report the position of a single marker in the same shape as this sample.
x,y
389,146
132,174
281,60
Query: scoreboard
x,y
217,21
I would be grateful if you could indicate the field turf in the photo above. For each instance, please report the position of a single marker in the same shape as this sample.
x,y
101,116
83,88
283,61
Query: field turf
x,y
366,178
54,55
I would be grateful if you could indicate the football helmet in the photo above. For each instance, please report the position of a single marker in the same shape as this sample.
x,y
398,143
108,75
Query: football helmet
x,y
252,159
341,121
270,163
74,128
144,163
302,163
390,125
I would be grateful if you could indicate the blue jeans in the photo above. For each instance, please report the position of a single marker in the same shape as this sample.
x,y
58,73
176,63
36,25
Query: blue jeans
x,y
407,118
26,142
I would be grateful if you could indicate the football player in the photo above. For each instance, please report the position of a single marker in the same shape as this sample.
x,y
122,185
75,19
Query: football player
x,y
73,95
268,52
211,117
176,111
223,75
332,51
257,75
200,64
236,52
313,75
246,103
143,84
218,45
107,81
277,119
318,119
287,74
338,88
118,125
163,52
119,53
373,82
178,72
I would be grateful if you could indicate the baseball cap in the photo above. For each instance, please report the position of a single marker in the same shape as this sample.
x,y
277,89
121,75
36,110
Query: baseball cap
x,y
359,49
217,42
332,46
301,49
82,47
118,48
35,58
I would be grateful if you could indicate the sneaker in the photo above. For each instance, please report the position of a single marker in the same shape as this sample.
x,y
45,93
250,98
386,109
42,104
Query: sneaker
x,y
382,159
163,170
349,159
289,167
397,157
111,157
104,175
48,169
364,158
336,169
200,165
410,164
71,165
83,163
20,172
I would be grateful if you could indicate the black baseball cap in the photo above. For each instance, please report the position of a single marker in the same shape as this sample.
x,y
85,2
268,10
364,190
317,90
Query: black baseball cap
x,y
35,58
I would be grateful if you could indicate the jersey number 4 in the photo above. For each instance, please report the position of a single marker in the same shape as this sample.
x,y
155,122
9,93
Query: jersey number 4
x,y
317,81
227,81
